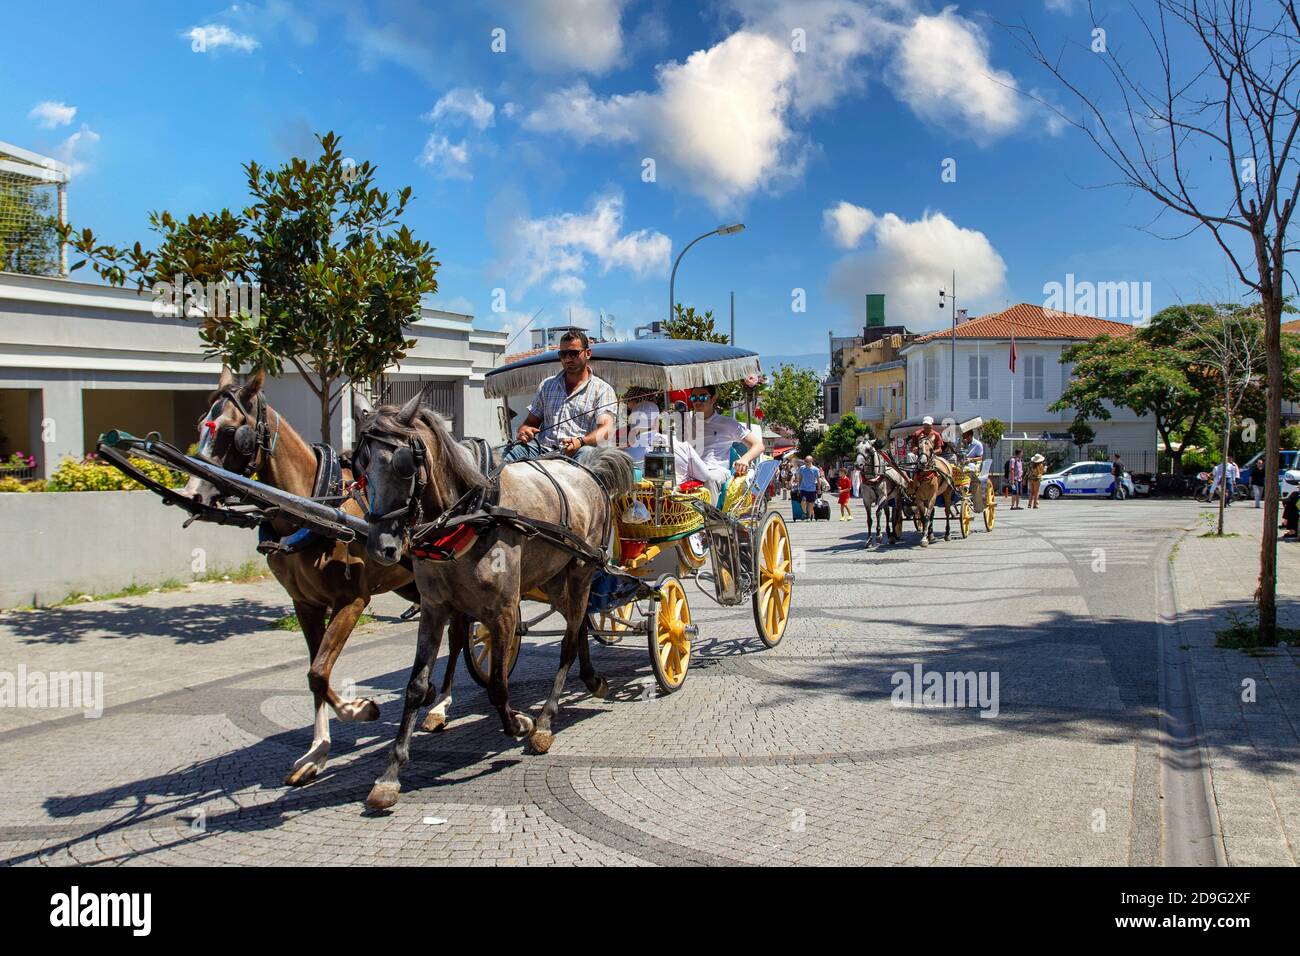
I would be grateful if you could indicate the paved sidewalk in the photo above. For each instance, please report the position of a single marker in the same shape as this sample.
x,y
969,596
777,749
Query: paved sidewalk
x,y
1253,746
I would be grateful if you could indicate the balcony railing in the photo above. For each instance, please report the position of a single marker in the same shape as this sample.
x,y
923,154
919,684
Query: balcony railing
x,y
869,413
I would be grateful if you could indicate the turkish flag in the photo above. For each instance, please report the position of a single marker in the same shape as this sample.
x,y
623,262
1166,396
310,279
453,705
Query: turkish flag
x,y
1013,356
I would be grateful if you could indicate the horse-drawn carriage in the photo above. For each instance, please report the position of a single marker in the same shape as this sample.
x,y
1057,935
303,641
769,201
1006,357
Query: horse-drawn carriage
x,y
665,531
970,477
416,512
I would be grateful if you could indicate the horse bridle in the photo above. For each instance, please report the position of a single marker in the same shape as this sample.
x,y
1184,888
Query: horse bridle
x,y
254,443
409,463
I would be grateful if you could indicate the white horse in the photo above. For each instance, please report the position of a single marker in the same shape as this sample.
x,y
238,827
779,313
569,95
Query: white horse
x,y
881,484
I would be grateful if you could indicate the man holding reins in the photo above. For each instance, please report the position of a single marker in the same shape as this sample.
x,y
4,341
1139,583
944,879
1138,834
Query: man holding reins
x,y
572,411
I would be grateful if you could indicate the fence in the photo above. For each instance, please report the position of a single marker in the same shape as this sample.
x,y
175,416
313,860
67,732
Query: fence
x,y
439,396
1059,455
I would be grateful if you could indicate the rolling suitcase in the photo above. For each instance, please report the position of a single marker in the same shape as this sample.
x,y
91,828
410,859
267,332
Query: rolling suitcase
x,y
822,510
796,509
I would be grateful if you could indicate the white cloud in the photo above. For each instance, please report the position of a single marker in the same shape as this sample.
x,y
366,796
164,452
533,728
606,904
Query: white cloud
x,y
911,261
447,159
943,73
719,118
77,150
561,246
50,114
583,36
464,103
568,285
1059,6
215,36
847,223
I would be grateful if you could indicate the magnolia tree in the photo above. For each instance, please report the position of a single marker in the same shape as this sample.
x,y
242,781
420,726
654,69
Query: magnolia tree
x,y
332,278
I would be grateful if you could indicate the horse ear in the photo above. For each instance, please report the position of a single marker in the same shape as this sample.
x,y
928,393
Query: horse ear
x,y
407,415
253,386
227,378
362,410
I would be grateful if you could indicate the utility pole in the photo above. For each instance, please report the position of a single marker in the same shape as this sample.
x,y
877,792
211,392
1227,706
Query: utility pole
x,y
952,371
732,341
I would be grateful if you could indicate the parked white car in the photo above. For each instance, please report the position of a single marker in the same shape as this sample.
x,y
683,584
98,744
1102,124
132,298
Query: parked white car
x,y
1091,479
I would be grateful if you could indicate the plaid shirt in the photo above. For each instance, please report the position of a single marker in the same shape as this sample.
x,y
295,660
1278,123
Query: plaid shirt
x,y
572,415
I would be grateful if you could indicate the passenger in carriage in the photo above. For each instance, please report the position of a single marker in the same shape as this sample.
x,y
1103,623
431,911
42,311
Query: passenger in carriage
x,y
643,434
724,437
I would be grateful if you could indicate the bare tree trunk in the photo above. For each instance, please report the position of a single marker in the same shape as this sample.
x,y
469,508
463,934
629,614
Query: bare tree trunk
x,y
325,409
1267,593
1227,435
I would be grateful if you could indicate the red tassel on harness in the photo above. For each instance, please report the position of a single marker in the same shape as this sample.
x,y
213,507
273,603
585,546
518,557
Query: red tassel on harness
x,y
450,546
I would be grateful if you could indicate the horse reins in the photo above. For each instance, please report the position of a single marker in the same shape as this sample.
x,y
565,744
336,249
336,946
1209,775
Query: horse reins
x,y
250,441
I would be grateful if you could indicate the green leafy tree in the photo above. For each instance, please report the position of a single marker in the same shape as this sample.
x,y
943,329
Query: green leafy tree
x,y
686,323
841,439
29,231
792,398
1081,433
992,431
338,279
1151,372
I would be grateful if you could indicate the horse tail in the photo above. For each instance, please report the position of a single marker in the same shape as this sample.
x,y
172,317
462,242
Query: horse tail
x,y
613,468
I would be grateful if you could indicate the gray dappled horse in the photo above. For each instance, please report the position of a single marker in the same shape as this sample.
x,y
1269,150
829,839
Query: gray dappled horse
x,y
881,487
414,471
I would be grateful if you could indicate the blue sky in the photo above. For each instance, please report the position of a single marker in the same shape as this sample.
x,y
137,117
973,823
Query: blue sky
x,y
824,126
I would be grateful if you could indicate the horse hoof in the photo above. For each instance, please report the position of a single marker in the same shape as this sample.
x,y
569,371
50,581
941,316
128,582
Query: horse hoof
x,y
301,776
359,710
539,741
434,721
599,688
523,726
382,796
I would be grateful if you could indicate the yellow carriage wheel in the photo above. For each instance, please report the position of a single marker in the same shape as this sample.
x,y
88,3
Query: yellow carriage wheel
x,y
670,637
775,580
990,507
617,620
967,513
478,654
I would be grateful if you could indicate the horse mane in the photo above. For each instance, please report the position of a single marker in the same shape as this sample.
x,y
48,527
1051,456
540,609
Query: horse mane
x,y
447,458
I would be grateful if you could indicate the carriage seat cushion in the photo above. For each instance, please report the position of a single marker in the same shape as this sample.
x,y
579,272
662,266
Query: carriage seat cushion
x,y
690,485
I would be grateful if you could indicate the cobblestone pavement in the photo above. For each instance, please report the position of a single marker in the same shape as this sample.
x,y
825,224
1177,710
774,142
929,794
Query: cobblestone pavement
x,y
794,755
1248,703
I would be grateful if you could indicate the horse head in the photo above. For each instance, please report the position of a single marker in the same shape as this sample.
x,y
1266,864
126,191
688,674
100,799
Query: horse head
x,y
233,432
408,468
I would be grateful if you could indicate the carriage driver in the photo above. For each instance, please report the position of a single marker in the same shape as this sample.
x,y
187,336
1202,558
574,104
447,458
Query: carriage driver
x,y
927,430
573,410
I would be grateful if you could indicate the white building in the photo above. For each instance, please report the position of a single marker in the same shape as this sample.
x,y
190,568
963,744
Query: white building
x,y
77,359
986,387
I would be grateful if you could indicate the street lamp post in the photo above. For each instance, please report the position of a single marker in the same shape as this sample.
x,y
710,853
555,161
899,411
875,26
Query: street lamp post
x,y
672,279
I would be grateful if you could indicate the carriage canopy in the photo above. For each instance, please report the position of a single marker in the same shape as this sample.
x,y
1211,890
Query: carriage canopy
x,y
661,364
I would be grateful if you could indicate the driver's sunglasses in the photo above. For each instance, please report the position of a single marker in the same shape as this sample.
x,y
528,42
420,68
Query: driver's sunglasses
x,y
571,353
699,398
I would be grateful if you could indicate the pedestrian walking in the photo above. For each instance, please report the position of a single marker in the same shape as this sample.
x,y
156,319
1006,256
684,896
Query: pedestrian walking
x,y
845,489
856,477
1006,478
1036,469
809,478
1017,475
1215,477
1117,473
1257,480
1233,476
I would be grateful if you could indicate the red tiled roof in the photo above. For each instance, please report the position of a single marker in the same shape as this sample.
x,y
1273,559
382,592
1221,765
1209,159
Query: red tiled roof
x,y
1027,321
506,360
1292,326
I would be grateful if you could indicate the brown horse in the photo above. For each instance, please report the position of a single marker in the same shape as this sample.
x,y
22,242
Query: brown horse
x,y
931,478
330,582
412,471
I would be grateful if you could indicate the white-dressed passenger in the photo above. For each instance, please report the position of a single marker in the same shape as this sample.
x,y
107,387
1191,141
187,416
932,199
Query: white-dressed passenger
x,y
643,434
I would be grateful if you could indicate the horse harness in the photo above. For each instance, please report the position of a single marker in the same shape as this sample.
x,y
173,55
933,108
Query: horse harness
x,y
328,486
456,530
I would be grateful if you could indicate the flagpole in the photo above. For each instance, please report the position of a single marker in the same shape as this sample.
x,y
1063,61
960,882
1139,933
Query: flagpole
x,y
1012,452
